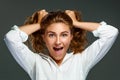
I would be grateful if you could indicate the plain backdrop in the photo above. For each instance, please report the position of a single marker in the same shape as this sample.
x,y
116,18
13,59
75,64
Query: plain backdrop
x,y
14,12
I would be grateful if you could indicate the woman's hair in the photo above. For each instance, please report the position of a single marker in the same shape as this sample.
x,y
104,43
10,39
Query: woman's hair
x,y
78,42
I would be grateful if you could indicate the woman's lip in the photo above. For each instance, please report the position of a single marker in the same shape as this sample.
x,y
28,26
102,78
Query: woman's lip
x,y
58,51
57,48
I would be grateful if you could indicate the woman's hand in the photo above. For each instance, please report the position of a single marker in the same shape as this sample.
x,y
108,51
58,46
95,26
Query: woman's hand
x,y
29,29
41,14
72,15
89,26
37,16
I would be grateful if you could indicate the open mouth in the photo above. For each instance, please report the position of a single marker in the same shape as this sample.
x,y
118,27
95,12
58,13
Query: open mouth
x,y
57,49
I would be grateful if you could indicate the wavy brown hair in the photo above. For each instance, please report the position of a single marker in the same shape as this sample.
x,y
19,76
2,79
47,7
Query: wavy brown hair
x,y
78,42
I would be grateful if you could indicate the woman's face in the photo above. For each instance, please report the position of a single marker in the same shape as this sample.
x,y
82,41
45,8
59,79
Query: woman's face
x,y
57,38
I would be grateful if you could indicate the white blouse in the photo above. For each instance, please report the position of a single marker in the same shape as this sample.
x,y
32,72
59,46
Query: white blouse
x,y
74,66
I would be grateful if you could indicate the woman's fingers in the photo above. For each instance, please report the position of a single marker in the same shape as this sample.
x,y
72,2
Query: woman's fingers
x,y
71,14
41,14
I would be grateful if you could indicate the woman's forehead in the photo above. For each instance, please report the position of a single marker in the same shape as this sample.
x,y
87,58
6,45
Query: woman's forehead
x,y
58,26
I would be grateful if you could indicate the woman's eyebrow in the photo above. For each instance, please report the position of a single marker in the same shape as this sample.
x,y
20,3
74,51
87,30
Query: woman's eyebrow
x,y
55,32
65,32
50,32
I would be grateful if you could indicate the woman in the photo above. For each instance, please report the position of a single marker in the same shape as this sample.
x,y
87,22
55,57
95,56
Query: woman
x,y
58,41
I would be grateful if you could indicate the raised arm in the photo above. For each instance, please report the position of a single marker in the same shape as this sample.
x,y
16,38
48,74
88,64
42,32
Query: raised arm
x,y
106,34
15,39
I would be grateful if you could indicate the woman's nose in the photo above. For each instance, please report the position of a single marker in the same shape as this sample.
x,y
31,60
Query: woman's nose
x,y
58,42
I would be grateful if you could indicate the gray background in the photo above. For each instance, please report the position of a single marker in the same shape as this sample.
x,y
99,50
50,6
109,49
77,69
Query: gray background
x,y
15,12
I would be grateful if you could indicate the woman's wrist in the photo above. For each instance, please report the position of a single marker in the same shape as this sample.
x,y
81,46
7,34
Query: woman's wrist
x,y
76,24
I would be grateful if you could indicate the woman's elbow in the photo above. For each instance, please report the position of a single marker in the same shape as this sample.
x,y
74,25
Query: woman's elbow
x,y
115,32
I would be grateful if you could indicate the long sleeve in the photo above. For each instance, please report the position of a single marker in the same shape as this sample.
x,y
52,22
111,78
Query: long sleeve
x,y
96,51
14,40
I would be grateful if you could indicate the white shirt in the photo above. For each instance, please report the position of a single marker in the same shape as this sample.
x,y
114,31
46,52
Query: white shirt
x,y
73,67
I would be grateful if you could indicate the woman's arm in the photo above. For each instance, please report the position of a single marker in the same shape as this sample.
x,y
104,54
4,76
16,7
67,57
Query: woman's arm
x,y
107,35
89,26
22,54
14,40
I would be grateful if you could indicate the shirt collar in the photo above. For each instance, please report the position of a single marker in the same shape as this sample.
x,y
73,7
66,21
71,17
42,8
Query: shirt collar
x,y
67,56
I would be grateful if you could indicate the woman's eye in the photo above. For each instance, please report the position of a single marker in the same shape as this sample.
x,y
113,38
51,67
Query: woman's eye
x,y
51,35
64,35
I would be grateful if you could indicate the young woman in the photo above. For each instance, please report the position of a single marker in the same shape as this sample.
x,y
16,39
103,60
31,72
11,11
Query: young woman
x,y
58,40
